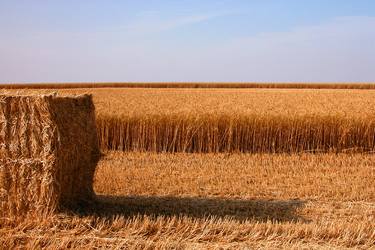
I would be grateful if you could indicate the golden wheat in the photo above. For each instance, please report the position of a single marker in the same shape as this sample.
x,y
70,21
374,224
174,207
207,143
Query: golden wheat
x,y
249,134
188,85
230,120
200,102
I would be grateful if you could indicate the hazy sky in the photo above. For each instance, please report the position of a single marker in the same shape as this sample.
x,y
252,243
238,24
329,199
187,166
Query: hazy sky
x,y
187,40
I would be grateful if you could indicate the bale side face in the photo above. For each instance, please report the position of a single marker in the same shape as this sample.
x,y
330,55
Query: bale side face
x,y
47,143
25,186
26,128
78,150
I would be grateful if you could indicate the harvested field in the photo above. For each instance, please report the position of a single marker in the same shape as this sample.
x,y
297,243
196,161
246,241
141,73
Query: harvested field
x,y
221,197
326,177
217,201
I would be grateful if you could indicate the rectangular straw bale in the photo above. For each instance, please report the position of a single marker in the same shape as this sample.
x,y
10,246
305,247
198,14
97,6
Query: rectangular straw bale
x,y
49,144
25,186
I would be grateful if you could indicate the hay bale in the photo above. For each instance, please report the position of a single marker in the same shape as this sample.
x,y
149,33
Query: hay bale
x,y
48,152
24,186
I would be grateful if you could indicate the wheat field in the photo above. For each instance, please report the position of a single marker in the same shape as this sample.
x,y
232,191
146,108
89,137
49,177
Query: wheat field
x,y
297,102
233,120
204,85
220,168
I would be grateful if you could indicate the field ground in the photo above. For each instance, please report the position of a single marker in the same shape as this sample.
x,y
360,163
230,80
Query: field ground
x,y
298,198
217,200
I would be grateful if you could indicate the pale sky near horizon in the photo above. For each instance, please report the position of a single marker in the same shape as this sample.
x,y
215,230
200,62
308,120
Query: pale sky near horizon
x,y
187,40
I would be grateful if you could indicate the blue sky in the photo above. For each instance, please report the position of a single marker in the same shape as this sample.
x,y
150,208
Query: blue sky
x,y
187,40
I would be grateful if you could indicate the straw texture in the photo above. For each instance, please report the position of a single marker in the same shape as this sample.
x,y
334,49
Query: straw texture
x,y
48,152
236,133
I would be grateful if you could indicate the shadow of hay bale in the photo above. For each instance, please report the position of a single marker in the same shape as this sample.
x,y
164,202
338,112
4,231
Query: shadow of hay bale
x,y
259,210
48,152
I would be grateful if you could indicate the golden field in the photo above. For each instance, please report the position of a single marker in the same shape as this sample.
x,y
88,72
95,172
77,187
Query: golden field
x,y
204,85
195,201
206,168
232,120
294,102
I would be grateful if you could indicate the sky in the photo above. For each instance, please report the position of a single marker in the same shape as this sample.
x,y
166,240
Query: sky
x,y
187,41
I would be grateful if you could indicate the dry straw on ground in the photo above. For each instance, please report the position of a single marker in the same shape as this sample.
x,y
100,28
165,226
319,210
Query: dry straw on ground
x,y
216,201
48,152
